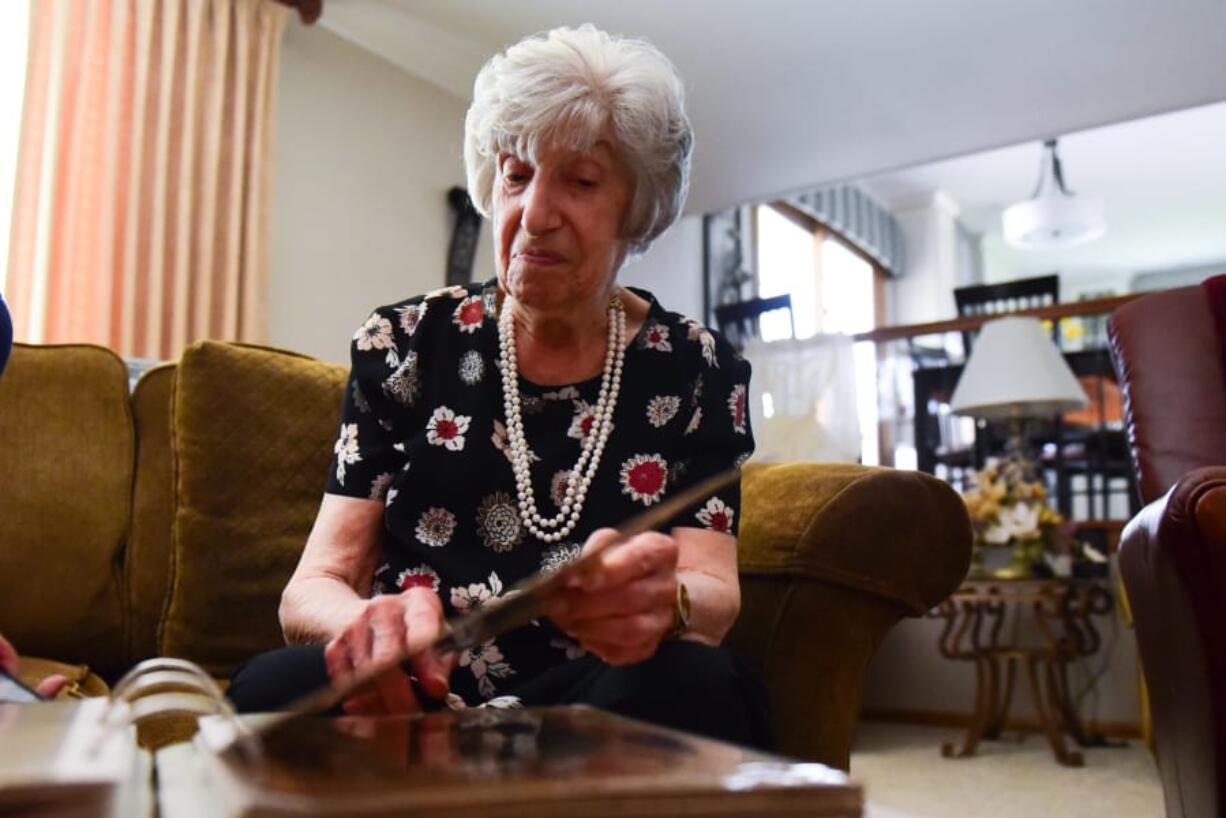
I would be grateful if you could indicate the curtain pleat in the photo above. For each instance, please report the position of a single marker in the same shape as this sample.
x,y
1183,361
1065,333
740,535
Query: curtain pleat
x,y
140,216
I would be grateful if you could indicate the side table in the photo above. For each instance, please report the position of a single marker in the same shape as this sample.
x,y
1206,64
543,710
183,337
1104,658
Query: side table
x,y
1062,609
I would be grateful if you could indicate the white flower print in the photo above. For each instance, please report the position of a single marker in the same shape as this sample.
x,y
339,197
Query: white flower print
x,y
453,291
404,384
391,493
697,332
573,649
661,409
736,405
565,393
473,596
469,314
346,450
554,558
379,486
742,458
422,576
472,368
498,522
499,439
410,317
557,486
644,478
447,429
695,419
486,663
435,527
716,515
655,336
505,703
376,333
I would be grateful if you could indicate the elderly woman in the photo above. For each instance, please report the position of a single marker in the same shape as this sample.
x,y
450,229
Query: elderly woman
x,y
492,431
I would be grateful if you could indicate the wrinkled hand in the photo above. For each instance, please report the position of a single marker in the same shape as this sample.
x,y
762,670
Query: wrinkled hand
x,y
624,605
47,688
388,624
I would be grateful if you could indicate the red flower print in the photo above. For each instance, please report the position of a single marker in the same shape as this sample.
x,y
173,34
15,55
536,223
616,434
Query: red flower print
x,y
736,405
644,477
656,337
469,314
716,515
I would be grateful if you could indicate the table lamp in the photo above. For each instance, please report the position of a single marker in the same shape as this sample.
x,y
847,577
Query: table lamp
x,y
1016,372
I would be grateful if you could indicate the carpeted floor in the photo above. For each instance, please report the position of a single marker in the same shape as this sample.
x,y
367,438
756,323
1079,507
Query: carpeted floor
x,y
905,776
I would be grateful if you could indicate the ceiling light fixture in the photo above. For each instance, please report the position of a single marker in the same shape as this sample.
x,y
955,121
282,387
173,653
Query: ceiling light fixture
x,y
1053,216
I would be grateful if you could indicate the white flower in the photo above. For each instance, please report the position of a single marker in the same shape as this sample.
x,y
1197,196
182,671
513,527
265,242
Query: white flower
x,y
565,393
404,384
435,527
499,439
446,428
346,450
410,317
472,368
1017,522
504,703
695,419
584,421
453,291
473,596
557,486
498,522
376,333
486,661
379,486
661,409
716,515
558,556
697,332
391,493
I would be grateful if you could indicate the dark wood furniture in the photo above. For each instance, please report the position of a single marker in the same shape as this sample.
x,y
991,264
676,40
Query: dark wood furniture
x,y
1062,610
1004,298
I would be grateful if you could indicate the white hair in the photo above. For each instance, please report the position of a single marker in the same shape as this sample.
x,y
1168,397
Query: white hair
x,y
561,88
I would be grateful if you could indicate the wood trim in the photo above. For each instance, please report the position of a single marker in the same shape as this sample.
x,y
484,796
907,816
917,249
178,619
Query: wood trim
x,y
1068,309
935,718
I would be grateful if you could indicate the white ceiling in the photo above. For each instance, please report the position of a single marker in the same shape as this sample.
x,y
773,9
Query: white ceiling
x,y
785,95
1162,180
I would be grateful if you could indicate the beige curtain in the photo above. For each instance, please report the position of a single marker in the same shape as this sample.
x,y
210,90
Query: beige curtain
x,y
141,200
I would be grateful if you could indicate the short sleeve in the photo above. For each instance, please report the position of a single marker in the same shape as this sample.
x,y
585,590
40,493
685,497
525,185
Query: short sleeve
x,y
380,403
718,435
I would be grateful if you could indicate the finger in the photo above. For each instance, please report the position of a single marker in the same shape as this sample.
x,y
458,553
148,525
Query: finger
x,y
623,631
8,656
336,658
424,618
364,704
646,594
387,629
361,639
51,686
642,556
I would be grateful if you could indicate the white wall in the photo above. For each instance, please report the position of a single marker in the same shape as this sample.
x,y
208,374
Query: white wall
x,y
365,154
672,268
925,293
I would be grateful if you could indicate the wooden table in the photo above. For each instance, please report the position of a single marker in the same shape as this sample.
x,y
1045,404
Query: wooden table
x,y
1063,610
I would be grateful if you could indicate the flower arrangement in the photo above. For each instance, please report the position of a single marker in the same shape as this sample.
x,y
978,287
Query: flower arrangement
x,y
1010,516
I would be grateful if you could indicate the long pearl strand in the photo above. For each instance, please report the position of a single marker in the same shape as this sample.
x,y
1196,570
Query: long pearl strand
x,y
580,478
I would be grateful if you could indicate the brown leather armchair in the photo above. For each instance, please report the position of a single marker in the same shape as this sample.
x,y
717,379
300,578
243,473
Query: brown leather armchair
x,y
1173,553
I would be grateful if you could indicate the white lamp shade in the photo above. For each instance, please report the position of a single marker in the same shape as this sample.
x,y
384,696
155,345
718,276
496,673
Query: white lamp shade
x,y
1055,220
1015,370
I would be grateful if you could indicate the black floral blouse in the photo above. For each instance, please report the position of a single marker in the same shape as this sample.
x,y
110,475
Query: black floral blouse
x,y
423,429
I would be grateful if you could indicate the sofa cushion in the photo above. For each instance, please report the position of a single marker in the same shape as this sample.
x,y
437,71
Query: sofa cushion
x,y
67,438
147,567
253,432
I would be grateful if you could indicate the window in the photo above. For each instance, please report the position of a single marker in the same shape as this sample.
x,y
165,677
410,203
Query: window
x,y
833,289
14,25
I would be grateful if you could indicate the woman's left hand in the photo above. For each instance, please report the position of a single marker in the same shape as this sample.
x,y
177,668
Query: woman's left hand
x,y
624,604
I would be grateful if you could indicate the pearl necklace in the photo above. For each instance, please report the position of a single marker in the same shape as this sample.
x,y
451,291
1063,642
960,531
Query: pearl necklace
x,y
579,480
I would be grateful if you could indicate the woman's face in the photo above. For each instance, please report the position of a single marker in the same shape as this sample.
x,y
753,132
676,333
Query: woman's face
x,y
558,225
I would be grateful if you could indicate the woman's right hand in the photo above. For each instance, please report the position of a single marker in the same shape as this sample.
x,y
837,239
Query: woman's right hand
x,y
387,625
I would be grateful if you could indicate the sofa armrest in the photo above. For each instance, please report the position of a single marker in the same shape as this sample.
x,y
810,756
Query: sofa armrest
x,y
901,535
1173,560
831,557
